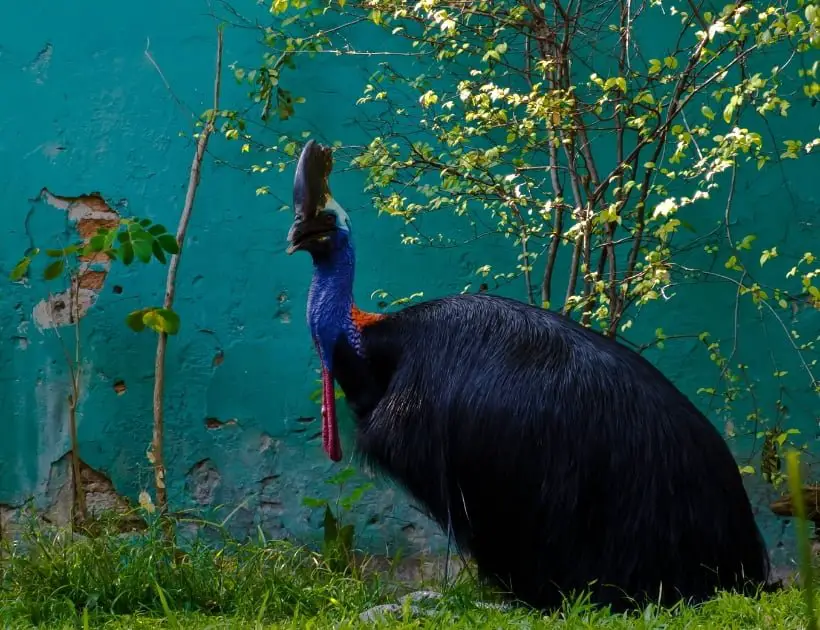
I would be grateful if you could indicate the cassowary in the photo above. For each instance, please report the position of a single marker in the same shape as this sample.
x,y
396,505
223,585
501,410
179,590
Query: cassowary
x,y
560,460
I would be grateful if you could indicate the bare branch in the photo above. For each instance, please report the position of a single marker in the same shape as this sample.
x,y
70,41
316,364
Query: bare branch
x,y
157,442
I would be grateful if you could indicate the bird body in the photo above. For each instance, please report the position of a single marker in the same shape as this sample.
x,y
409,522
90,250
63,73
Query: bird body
x,y
561,460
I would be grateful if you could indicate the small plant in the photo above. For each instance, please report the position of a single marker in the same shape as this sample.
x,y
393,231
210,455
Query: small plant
x,y
803,542
339,536
130,240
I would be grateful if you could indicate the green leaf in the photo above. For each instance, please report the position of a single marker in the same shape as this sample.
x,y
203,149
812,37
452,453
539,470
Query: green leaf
x,y
162,320
157,229
341,477
54,270
20,269
330,526
96,243
138,234
728,111
313,502
168,242
143,249
127,253
135,319
158,253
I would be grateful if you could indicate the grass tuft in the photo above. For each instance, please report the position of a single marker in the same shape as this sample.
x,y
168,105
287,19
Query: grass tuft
x,y
52,579
51,576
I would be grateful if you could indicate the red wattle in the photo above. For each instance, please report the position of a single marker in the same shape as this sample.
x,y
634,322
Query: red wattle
x,y
330,427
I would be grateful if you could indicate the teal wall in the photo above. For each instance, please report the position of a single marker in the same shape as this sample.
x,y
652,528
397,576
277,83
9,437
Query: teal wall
x,y
83,110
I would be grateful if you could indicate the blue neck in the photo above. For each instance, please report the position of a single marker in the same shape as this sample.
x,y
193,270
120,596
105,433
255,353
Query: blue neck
x,y
330,302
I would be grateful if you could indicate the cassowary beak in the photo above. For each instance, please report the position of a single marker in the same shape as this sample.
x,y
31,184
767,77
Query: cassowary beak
x,y
311,192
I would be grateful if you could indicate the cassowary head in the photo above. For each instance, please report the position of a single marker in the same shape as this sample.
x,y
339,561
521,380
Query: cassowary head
x,y
320,225
322,228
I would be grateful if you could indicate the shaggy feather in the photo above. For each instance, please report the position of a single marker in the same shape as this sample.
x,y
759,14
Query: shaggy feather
x,y
564,460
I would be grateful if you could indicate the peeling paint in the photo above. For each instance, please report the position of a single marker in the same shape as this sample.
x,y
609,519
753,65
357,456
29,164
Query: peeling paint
x,y
266,442
202,482
55,506
282,313
101,496
216,423
219,358
22,335
61,310
89,213
40,64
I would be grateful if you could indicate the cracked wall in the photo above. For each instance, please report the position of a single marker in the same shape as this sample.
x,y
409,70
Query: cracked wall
x,y
90,114
54,506
86,214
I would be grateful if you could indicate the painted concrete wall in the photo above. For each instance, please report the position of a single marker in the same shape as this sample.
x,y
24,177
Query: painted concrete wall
x,y
83,110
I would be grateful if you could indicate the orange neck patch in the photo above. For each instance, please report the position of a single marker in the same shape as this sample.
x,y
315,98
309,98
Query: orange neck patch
x,y
363,319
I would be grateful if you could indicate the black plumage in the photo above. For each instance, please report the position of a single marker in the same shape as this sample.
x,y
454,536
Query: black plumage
x,y
558,456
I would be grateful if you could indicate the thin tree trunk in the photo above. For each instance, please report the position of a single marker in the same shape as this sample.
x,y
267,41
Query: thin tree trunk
x,y
156,453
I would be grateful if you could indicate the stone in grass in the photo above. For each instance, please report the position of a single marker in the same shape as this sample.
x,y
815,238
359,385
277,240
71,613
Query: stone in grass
x,y
418,603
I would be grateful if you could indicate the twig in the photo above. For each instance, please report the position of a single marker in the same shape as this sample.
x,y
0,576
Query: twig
x,y
728,212
170,289
187,110
76,472
78,505
814,382
573,274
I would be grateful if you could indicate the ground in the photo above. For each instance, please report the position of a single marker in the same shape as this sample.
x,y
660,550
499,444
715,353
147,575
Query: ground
x,y
51,578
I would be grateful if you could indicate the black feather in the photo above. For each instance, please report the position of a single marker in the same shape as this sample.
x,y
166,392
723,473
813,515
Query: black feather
x,y
566,460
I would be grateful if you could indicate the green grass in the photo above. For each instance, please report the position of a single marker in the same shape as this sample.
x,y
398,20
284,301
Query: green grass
x,y
141,581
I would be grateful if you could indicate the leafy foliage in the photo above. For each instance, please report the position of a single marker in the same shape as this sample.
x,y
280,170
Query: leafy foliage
x,y
132,238
605,154
338,545
139,240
